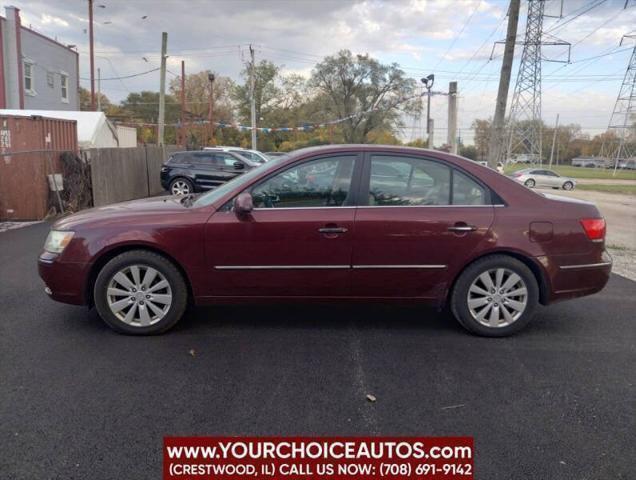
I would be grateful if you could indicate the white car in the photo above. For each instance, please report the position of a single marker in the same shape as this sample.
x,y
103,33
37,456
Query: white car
x,y
253,155
539,177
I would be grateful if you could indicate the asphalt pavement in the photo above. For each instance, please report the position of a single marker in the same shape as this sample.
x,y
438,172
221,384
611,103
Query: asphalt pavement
x,y
78,401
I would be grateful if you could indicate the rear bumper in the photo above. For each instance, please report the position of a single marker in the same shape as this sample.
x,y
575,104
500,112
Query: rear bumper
x,y
64,282
574,279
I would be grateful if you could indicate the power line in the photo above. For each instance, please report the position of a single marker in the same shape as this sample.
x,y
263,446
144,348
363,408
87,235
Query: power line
x,y
470,17
126,76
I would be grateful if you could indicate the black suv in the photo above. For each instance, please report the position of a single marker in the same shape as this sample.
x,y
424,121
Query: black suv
x,y
194,171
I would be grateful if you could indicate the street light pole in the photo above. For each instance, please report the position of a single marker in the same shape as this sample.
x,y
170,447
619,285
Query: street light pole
x,y
428,84
210,107
92,53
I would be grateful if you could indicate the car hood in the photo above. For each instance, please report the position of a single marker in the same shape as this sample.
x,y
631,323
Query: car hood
x,y
143,209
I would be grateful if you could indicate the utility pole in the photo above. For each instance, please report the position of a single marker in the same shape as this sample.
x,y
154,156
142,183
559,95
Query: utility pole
x,y
253,97
556,128
428,82
431,134
162,89
211,108
495,146
618,148
452,117
92,53
525,110
182,132
99,89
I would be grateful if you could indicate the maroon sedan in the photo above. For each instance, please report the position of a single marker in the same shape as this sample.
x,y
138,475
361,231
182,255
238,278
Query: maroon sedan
x,y
347,222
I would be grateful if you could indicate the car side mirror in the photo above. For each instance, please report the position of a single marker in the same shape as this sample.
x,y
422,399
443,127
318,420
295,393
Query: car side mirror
x,y
239,165
243,204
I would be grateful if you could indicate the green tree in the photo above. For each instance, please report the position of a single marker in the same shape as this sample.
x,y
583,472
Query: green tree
x,y
372,94
482,137
266,92
85,101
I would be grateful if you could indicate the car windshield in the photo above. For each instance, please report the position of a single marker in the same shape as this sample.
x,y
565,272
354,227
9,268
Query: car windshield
x,y
212,196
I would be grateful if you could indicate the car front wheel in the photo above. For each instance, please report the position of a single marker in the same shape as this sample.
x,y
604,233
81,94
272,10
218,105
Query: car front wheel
x,y
496,296
140,293
568,186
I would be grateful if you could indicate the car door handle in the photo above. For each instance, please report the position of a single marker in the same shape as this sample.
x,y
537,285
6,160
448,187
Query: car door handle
x,y
332,230
462,228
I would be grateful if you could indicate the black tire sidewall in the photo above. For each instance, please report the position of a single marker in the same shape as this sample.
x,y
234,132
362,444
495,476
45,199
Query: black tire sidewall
x,y
459,303
568,186
530,183
154,260
181,179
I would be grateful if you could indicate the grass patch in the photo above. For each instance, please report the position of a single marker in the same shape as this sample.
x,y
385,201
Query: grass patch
x,y
624,189
578,172
617,247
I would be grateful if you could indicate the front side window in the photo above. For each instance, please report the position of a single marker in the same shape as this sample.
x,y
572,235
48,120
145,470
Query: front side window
x,y
408,181
318,183
64,84
28,77
466,191
225,160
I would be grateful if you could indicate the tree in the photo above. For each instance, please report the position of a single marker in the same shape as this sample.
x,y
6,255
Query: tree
x,y
144,107
197,96
368,94
468,151
266,92
85,100
482,137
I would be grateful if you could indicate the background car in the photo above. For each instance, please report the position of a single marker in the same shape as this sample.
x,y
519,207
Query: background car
x,y
276,154
340,222
253,155
539,177
196,171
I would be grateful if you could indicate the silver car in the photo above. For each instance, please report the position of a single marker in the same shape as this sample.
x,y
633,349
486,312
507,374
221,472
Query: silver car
x,y
538,177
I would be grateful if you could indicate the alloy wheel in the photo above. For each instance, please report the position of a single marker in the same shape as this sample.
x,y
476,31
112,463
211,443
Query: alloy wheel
x,y
139,295
180,187
497,298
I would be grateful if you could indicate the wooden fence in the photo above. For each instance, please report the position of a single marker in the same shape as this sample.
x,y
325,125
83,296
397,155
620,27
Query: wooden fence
x,y
120,174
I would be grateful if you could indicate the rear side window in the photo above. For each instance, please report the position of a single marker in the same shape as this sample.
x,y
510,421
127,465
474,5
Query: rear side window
x,y
203,158
466,191
408,181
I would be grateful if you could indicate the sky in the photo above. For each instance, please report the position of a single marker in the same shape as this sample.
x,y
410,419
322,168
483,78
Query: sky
x,y
453,39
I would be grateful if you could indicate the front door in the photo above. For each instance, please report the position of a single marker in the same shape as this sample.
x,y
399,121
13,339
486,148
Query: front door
x,y
298,239
422,220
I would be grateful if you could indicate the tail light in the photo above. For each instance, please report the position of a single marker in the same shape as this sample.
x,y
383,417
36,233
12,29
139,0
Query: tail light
x,y
594,228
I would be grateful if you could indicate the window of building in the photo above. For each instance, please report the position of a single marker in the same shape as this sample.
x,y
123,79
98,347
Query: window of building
x,y
28,78
64,84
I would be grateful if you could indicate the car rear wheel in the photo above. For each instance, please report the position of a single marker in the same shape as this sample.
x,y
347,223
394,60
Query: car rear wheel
x,y
140,293
568,186
181,186
530,183
495,296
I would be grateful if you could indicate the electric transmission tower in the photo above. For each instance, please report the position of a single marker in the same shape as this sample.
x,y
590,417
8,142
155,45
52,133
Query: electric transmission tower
x,y
619,144
524,134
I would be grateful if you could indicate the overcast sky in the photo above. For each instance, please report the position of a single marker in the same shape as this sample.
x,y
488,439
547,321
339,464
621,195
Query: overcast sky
x,y
451,38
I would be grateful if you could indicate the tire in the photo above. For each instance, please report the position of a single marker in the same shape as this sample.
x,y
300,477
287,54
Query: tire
x,y
530,183
181,186
470,279
568,186
115,298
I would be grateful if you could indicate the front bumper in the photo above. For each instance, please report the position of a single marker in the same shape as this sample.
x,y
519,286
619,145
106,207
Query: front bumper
x,y
64,282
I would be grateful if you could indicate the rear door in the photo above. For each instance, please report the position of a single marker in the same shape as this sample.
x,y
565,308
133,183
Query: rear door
x,y
418,220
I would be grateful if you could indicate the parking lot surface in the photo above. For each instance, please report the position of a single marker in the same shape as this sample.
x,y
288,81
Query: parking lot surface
x,y
78,401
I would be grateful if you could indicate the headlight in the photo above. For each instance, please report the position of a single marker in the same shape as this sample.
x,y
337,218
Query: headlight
x,y
57,241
